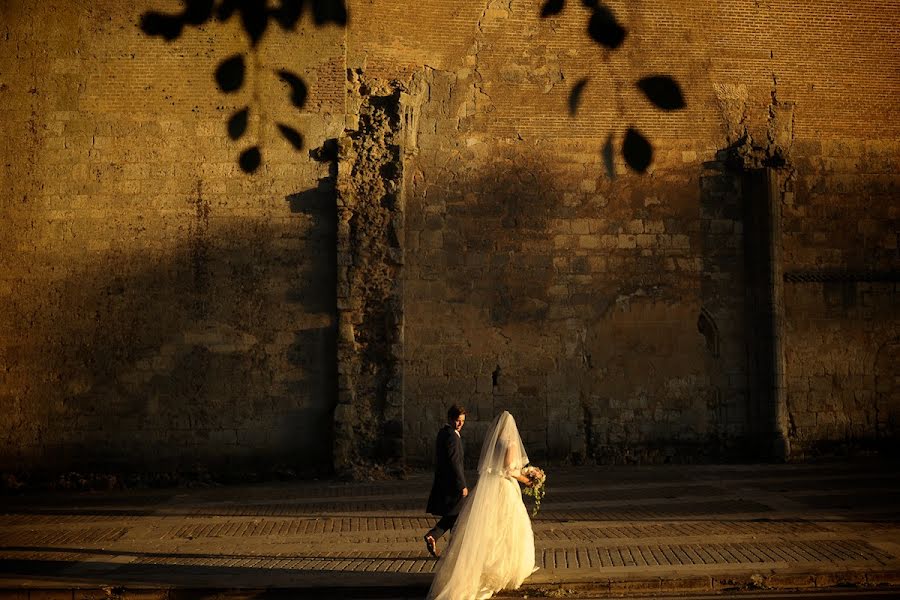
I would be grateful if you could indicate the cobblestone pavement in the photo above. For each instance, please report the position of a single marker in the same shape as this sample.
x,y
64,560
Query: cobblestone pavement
x,y
614,529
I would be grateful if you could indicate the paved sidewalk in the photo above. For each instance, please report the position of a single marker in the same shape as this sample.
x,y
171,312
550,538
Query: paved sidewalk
x,y
602,530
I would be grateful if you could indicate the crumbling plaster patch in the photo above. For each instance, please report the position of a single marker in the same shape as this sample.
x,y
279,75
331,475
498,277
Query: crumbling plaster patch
x,y
368,417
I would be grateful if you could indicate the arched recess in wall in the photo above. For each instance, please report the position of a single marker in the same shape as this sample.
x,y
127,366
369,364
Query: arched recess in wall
x,y
887,392
707,327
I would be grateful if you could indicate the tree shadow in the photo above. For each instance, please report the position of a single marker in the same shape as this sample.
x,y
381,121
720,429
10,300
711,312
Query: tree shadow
x,y
165,359
533,285
662,91
255,17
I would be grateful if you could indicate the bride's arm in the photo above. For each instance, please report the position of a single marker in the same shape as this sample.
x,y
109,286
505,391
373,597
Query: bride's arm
x,y
521,479
517,473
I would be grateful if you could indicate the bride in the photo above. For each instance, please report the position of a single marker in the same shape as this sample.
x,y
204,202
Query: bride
x,y
492,546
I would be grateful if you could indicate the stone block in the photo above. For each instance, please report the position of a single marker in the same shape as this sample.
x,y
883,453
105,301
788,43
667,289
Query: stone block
x,y
558,291
843,578
654,226
429,240
719,226
624,242
50,594
681,241
566,242
344,413
683,585
597,264
825,418
804,419
634,226
876,577
132,594
631,586
589,242
609,241
458,386
581,227
789,581
645,240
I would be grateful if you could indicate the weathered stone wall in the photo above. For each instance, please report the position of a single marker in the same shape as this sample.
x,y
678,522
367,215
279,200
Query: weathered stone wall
x,y
162,308
615,316
843,328
573,302
478,238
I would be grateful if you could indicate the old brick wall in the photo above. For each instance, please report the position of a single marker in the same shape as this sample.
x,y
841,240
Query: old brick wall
x,y
161,308
841,296
164,307
534,282
841,218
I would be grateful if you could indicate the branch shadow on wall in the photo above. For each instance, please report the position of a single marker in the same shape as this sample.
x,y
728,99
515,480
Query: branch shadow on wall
x,y
255,17
215,351
315,294
541,271
663,91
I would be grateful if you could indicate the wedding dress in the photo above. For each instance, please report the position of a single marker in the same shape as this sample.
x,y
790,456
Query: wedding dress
x,y
492,547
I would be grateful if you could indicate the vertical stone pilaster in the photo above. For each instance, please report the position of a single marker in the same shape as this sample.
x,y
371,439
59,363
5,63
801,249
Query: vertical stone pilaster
x,y
765,306
369,414
781,446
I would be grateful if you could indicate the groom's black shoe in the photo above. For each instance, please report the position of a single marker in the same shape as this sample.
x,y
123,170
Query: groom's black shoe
x,y
431,546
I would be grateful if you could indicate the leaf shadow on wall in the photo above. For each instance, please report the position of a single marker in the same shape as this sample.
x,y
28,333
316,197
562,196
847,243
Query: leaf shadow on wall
x,y
217,351
662,91
314,203
255,17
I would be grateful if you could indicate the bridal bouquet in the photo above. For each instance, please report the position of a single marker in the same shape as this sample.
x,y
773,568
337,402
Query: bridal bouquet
x,y
536,488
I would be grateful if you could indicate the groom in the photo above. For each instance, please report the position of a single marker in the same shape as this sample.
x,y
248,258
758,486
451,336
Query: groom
x,y
449,486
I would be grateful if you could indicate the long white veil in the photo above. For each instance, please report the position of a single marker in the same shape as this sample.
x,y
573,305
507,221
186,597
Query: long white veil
x,y
492,544
502,451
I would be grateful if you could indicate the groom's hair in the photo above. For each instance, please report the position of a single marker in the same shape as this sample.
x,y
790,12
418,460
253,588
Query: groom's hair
x,y
454,411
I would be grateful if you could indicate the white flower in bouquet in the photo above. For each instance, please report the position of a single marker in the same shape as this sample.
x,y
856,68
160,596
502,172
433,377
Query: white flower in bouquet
x,y
535,488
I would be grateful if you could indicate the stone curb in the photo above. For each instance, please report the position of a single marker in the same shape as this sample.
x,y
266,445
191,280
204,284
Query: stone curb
x,y
783,581
601,587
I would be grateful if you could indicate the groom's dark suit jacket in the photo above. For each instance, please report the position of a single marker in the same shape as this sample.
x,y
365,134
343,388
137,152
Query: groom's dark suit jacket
x,y
449,479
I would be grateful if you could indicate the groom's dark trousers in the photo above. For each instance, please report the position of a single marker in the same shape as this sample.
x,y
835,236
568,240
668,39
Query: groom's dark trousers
x,y
446,496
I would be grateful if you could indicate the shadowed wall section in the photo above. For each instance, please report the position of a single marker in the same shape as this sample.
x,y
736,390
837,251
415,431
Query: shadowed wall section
x,y
161,309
